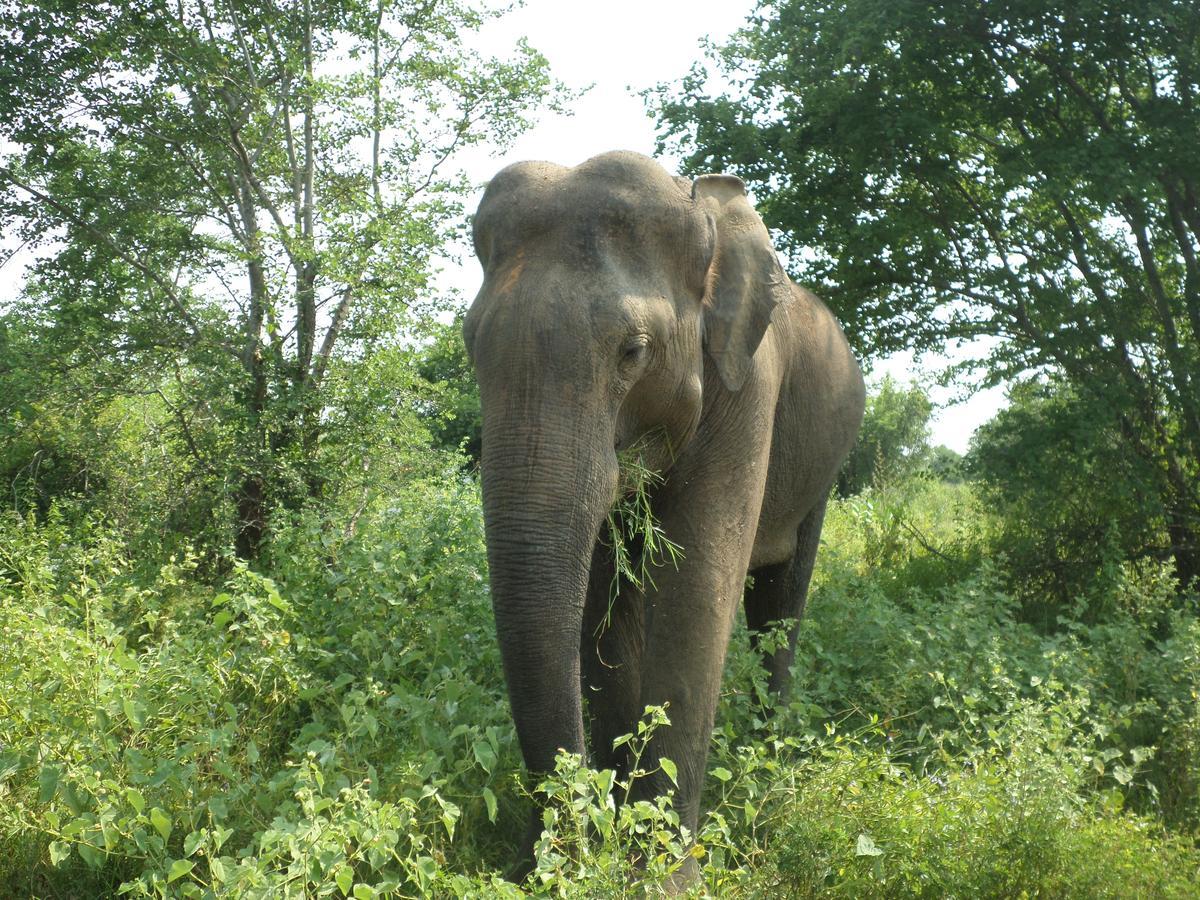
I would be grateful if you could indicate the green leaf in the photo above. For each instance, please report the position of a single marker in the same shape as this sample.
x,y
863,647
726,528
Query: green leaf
x,y
344,878
59,851
134,712
427,866
450,814
76,826
161,822
179,868
48,783
489,800
122,659
71,797
192,841
10,764
721,774
485,755
93,856
669,767
135,798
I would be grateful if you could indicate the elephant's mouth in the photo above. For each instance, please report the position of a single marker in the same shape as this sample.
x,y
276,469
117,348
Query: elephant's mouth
x,y
643,459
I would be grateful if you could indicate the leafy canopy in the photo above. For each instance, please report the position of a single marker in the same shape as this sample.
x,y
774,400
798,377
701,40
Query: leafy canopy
x,y
233,206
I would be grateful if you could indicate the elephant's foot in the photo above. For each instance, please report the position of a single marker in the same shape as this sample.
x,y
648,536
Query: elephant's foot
x,y
524,863
684,880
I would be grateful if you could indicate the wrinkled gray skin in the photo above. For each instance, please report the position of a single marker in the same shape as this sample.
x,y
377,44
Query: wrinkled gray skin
x,y
621,304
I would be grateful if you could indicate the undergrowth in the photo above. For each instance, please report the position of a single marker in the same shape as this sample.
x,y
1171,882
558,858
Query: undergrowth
x,y
336,725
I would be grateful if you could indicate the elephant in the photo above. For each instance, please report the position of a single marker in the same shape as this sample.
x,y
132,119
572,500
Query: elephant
x,y
625,307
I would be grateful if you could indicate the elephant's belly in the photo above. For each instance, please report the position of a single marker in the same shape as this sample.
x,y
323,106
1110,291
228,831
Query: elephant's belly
x,y
772,549
779,522
799,478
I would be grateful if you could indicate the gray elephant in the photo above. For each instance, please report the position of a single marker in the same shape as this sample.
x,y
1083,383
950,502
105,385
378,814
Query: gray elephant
x,y
622,306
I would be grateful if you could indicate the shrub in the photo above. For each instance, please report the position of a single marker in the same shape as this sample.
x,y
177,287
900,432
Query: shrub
x,y
1073,500
336,724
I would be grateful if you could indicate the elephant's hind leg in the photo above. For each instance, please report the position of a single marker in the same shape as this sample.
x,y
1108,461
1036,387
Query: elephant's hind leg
x,y
780,592
611,660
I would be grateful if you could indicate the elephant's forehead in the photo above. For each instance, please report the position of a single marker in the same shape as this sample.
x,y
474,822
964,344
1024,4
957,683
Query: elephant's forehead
x,y
583,212
605,295
579,214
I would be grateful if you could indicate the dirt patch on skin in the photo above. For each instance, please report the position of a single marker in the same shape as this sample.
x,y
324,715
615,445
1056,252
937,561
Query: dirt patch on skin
x,y
510,279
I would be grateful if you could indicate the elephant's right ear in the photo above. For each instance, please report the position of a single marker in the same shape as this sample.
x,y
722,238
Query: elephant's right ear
x,y
747,281
470,325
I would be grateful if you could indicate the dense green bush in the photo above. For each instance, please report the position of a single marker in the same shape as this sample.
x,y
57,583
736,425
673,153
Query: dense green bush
x,y
893,441
262,733
1008,819
1072,498
335,724
157,464
453,412
909,615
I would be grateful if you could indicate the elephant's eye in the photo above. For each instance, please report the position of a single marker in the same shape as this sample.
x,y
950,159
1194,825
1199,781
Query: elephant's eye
x,y
634,350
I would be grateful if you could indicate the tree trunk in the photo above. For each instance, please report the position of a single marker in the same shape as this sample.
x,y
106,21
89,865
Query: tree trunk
x,y
252,521
1185,547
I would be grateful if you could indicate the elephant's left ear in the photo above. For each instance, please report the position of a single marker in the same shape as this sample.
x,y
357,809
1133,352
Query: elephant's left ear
x,y
746,283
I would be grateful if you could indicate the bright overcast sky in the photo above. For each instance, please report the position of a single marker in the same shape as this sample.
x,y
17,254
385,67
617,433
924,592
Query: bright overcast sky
x,y
620,48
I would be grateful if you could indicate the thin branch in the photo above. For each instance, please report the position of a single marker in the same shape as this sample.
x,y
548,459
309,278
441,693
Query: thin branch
x,y
150,274
461,132
264,198
1136,219
924,542
306,315
340,314
241,39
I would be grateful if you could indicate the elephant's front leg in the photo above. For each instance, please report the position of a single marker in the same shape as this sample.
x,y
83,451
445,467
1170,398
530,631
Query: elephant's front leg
x,y
712,512
611,660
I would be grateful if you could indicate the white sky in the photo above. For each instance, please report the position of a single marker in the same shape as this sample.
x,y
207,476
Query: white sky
x,y
621,48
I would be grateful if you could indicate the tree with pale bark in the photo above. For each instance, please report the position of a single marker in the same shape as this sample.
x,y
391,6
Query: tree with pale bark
x,y
228,203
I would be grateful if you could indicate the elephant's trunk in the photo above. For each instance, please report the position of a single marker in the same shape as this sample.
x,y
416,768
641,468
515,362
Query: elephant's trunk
x,y
546,489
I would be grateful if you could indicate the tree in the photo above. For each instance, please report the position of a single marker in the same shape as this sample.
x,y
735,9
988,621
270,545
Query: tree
x,y
1072,496
893,441
455,416
230,199
1016,170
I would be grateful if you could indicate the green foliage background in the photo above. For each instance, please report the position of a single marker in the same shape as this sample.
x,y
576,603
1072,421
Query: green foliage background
x,y
333,721
1014,179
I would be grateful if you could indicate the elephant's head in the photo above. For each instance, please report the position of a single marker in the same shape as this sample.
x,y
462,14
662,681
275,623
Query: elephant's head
x,y
605,286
